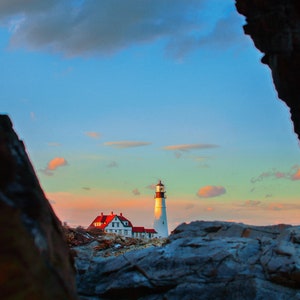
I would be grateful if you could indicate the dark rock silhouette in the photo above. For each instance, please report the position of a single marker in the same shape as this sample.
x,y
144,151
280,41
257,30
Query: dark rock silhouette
x,y
274,26
34,259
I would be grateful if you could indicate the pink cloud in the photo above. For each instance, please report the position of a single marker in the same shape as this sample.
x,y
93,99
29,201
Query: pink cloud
x,y
210,191
279,175
209,208
93,134
296,176
283,206
276,206
55,163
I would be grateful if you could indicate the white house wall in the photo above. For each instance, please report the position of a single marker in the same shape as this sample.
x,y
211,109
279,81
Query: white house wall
x,y
116,226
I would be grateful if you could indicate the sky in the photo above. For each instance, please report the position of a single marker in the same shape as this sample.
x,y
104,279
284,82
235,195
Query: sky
x,y
111,96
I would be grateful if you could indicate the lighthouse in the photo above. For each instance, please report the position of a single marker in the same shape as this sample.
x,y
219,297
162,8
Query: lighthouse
x,y
160,211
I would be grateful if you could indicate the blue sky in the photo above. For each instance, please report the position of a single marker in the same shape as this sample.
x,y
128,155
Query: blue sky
x,y
111,96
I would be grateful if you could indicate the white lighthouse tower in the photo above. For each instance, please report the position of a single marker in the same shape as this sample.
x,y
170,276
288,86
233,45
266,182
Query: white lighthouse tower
x,y
160,211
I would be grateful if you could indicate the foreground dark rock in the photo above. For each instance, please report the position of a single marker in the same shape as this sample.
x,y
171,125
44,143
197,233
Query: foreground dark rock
x,y
200,260
274,26
34,258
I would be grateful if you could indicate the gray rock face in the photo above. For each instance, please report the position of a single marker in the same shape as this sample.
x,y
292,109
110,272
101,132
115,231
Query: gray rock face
x,y
201,260
34,258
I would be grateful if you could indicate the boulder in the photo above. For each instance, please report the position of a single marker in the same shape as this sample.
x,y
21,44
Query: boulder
x,y
35,262
201,260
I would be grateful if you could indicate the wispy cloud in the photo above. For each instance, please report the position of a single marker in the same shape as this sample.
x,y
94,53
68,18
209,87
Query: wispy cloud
x,y
54,144
126,144
266,206
112,164
177,154
292,174
210,191
93,134
81,28
204,166
280,206
151,186
200,158
251,203
271,174
283,206
32,116
187,147
53,164
136,192
189,206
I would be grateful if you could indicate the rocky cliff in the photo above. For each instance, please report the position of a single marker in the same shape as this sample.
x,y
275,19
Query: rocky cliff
x,y
200,260
34,259
274,26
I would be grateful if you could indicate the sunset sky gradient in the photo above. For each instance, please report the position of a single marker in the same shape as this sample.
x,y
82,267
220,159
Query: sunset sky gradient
x,y
111,96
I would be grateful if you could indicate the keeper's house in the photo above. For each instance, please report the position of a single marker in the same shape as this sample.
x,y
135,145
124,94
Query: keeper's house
x,y
118,224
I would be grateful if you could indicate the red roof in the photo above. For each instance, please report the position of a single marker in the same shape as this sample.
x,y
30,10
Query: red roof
x,y
138,229
104,220
143,230
122,219
150,230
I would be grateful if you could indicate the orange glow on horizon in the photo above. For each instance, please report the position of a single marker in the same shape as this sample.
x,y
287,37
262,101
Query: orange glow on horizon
x,y
81,210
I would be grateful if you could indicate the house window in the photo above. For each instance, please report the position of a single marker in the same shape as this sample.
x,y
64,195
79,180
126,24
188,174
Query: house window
x,y
126,232
113,224
118,224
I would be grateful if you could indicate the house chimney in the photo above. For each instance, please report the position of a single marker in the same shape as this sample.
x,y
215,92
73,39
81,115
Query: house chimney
x,y
121,214
101,214
112,213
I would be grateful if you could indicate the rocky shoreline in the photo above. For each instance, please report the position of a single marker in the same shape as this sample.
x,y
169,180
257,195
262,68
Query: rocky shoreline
x,y
200,260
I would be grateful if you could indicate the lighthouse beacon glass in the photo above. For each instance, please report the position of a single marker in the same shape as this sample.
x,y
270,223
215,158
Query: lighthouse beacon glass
x,y
160,211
